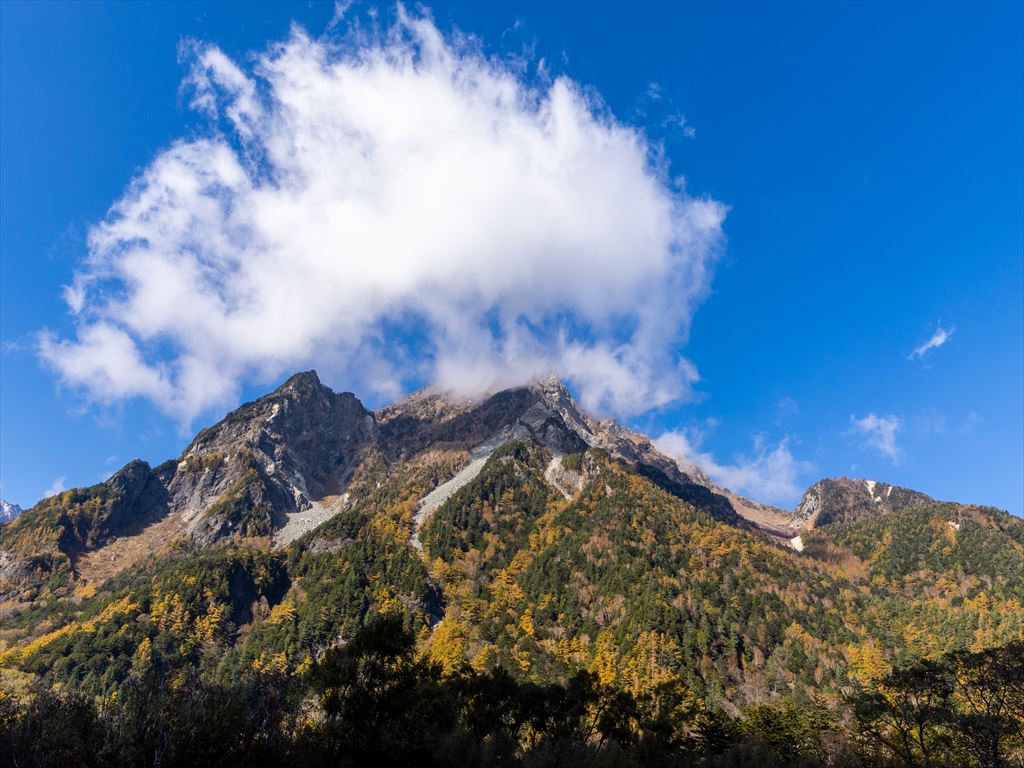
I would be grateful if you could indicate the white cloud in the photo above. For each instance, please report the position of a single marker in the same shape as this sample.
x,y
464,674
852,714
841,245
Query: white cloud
x,y
387,209
57,486
771,475
940,337
879,432
107,357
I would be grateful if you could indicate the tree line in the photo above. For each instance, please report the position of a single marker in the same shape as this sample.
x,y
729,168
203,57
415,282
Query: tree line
x,y
376,702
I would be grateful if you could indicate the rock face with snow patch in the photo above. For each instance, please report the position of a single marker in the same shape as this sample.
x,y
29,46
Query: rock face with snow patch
x,y
846,500
8,511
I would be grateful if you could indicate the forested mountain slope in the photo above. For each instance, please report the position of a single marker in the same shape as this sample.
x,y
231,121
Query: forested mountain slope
x,y
514,533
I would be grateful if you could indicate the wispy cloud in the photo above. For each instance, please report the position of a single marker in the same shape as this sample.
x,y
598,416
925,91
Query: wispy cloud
x,y
657,105
772,474
878,432
341,7
688,130
391,207
940,337
57,486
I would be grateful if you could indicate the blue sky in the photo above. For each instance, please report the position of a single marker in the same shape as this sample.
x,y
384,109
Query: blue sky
x,y
868,160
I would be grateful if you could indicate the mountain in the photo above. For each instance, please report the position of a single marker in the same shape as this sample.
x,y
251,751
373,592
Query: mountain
x,y
266,460
511,532
8,511
842,500
277,467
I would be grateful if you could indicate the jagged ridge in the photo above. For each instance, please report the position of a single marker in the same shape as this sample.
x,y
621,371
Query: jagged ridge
x,y
283,464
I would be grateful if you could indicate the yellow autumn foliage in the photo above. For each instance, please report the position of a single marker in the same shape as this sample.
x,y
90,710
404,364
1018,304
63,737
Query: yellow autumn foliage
x,y
448,645
283,612
867,662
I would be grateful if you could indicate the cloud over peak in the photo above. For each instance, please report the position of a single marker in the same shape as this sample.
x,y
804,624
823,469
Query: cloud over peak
x,y
391,208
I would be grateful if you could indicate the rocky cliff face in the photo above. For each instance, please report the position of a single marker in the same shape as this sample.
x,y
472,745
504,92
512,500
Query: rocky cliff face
x,y
268,458
846,500
544,410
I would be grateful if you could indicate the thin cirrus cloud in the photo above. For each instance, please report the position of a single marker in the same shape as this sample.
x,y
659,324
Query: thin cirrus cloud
x,y
391,207
773,474
879,433
937,339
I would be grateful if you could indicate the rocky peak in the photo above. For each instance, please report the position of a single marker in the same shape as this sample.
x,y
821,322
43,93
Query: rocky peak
x,y
621,442
636,451
302,382
845,499
293,452
288,409
543,409
683,478
425,405
270,457
130,479
435,419
8,511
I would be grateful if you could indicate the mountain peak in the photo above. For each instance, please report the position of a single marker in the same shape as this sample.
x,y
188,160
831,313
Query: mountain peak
x,y
846,499
304,381
8,511
550,382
